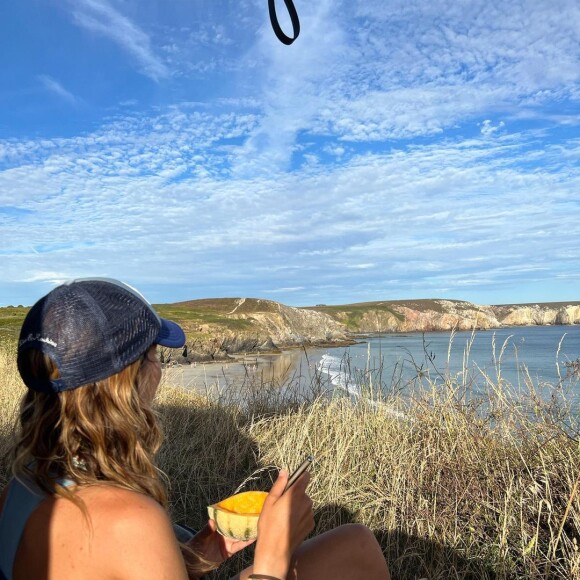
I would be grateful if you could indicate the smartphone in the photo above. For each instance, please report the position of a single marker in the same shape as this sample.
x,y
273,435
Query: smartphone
x,y
301,468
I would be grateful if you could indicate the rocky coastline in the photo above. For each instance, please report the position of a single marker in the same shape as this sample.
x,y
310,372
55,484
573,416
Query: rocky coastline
x,y
258,327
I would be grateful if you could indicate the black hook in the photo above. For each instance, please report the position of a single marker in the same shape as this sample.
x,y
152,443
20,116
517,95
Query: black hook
x,y
276,25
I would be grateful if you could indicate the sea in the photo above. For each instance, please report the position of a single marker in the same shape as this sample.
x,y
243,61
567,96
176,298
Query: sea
x,y
540,357
521,357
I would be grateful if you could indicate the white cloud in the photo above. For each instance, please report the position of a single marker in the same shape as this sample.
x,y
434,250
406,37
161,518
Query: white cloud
x,y
53,278
53,86
151,200
284,290
370,72
488,128
101,17
290,88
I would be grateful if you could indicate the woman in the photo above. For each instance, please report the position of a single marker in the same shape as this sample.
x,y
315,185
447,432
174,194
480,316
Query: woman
x,y
86,500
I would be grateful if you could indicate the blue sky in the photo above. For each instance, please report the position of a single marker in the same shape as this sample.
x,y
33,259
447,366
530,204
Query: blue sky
x,y
401,149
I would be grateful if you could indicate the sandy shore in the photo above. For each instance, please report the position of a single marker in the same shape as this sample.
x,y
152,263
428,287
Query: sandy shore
x,y
249,369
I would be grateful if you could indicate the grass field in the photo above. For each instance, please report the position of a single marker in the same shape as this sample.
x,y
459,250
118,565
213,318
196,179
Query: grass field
x,y
450,490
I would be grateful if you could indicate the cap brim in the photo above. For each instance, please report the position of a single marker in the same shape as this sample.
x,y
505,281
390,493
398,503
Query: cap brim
x,y
171,334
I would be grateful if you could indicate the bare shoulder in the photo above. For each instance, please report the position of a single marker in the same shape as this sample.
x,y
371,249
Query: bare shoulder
x,y
121,507
134,532
127,533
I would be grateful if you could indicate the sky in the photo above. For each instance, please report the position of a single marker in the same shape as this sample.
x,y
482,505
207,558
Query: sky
x,y
397,150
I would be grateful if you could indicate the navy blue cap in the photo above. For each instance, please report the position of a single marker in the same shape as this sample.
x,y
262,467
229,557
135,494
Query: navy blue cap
x,y
170,334
91,329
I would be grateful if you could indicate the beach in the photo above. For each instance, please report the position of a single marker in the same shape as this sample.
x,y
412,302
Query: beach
x,y
242,370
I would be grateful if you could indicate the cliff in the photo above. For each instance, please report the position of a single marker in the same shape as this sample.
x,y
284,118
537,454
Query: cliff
x,y
412,316
428,315
222,327
538,314
219,328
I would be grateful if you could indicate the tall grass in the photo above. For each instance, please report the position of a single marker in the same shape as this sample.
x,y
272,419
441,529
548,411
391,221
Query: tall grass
x,y
11,390
454,486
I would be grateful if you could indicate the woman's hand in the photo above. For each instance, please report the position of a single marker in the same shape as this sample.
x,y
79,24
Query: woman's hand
x,y
213,546
284,523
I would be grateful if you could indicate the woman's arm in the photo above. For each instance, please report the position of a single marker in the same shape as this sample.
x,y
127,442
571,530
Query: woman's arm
x,y
286,519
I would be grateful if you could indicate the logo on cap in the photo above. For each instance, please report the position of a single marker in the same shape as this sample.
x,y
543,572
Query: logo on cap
x,y
37,338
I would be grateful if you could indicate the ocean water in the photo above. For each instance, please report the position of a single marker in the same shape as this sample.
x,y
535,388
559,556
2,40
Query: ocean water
x,y
534,355
520,356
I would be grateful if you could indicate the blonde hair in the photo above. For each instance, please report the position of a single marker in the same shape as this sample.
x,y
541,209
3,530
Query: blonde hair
x,y
104,432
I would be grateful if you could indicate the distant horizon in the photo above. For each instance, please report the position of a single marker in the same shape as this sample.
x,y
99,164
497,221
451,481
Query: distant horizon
x,y
562,302
416,149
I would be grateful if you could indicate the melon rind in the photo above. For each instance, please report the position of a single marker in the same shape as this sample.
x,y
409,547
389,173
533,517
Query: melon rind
x,y
239,526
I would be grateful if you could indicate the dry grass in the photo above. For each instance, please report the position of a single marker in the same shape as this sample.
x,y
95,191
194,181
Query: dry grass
x,y
454,489
447,497
11,390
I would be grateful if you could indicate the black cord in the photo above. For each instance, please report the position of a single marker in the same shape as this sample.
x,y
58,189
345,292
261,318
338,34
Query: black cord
x,y
276,25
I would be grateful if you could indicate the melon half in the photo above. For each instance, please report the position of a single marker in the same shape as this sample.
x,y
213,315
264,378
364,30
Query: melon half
x,y
237,516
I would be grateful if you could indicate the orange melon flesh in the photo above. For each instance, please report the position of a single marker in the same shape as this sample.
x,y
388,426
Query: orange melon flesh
x,y
237,516
248,502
